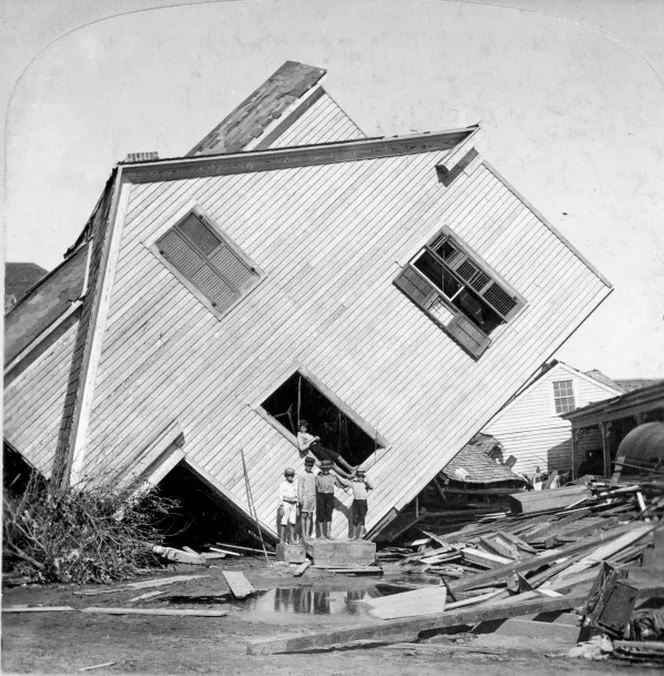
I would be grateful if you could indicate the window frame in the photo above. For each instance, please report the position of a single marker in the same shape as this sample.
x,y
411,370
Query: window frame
x,y
553,396
382,443
461,319
193,209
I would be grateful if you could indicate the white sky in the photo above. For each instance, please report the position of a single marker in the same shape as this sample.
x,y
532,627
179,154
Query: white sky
x,y
569,93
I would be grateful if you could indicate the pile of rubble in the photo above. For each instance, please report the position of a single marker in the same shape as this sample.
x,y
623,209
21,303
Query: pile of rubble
x,y
594,549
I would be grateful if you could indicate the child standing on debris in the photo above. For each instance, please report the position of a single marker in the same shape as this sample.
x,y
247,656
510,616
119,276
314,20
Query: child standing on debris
x,y
288,501
306,497
325,483
308,442
361,488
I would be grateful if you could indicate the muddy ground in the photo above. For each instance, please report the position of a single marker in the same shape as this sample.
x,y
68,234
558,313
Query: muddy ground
x,y
65,642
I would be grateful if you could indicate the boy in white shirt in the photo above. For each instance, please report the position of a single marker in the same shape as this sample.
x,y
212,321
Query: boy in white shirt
x,y
288,501
361,488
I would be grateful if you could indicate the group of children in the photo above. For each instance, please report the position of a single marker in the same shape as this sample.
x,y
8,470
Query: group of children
x,y
315,493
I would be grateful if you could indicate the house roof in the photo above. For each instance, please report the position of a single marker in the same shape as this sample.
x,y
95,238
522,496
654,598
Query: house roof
x,y
266,104
630,403
44,303
637,383
473,464
605,380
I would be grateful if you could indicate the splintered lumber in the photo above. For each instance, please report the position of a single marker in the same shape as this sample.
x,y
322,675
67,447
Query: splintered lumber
x,y
540,501
301,568
422,601
98,666
239,585
146,596
484,559
608,549
225,552
251,550
357,570
36,609
532,563
399,629
161,581
179,556
195,612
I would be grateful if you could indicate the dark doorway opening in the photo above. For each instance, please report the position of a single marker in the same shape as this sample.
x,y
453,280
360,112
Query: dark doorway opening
x,y
299,399
203,516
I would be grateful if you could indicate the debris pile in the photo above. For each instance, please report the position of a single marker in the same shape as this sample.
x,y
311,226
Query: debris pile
x,y
77,536
543,558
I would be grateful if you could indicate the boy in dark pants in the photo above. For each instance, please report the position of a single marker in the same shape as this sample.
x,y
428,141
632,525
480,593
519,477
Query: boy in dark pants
x,y
325,483
361,488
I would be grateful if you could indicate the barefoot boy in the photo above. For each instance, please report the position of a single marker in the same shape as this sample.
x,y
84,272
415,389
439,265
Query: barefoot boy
x,y
325,483
288,501
306,497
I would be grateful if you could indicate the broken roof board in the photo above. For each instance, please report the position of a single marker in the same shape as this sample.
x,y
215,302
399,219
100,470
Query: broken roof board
x,y
271,101
530,429
327,303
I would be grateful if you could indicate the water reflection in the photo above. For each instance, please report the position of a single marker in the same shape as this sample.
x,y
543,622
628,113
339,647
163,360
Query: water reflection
x,y
310,601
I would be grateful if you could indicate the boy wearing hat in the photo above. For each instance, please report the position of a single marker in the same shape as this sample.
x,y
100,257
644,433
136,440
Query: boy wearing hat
x,y
306,496
361,488
308,442
325,483
288,501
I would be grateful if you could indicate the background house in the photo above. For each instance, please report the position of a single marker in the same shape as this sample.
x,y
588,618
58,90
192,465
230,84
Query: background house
x,y
530,427
401,283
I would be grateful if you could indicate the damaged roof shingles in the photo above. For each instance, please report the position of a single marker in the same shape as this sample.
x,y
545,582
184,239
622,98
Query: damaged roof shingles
x,y
250,119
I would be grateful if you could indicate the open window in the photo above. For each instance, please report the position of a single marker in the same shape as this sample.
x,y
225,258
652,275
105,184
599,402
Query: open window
x,y
458,291
303,397
207,262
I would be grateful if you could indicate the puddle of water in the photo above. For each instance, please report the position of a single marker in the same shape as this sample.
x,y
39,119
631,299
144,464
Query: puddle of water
x,y
310,601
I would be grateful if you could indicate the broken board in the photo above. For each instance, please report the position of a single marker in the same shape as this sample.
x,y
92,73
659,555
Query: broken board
x,y
239,585
424,601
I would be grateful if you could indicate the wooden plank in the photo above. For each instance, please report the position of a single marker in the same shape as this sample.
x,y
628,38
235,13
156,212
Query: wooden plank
x,y
159,582
485,559
195,612
36,609
251,550
179,556
424,601
98,666
239,585
410,627
539,501
227,552
299,571
531,563
146,596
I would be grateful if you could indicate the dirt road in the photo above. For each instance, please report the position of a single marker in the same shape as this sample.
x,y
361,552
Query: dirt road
x,y
66,642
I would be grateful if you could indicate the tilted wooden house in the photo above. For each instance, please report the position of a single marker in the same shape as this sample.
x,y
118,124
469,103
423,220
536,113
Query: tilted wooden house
x,y
402,281
530,427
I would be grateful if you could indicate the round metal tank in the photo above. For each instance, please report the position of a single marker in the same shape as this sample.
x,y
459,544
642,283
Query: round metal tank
x,y
644,443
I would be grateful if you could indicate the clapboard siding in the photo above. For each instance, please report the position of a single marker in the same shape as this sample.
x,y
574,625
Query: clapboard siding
x,y
33,402
323,122
534,434
330,241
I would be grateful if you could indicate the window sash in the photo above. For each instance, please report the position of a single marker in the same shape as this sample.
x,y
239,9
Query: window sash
x,y
473,275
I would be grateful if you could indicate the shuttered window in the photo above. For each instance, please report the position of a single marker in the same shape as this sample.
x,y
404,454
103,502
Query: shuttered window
x,y
208,262
446,271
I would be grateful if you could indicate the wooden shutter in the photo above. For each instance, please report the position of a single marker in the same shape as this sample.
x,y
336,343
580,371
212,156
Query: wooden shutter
x,y
177,251
415,286
469,336
500,299
232,267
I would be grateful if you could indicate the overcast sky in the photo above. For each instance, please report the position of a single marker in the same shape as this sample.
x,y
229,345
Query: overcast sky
x,y
569,95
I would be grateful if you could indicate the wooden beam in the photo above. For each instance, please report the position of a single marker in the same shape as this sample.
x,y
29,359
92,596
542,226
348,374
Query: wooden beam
x,y
156,611
239,585
411,627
